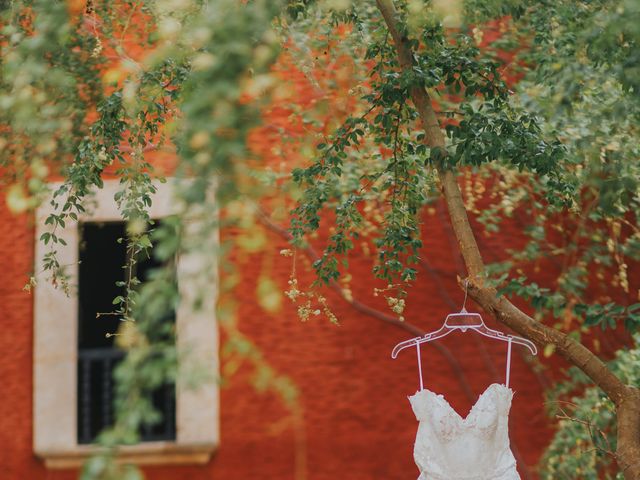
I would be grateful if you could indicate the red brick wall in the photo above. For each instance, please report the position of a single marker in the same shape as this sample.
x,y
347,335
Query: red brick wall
x,y
358,422
16,338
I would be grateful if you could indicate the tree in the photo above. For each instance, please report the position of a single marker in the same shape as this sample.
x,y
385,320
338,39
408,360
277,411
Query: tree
x,y
562,148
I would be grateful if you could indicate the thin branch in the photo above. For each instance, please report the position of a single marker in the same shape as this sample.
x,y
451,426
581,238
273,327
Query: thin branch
x,y
590,426
147,148
372,312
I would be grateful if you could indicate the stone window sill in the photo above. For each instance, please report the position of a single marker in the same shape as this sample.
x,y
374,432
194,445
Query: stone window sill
x,y
151,453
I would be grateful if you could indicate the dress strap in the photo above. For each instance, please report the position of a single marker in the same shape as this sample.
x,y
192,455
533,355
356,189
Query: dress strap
x,y
508,362
419,366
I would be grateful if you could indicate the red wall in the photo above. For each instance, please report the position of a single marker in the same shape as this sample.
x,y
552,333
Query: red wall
x,y
358,422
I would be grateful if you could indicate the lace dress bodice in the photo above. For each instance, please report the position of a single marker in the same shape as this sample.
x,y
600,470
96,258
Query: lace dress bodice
x,y
449,447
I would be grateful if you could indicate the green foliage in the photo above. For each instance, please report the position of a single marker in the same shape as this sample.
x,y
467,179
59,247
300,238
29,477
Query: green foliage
x,y
586,436
607,315
576,94
486,128
45,61
601,34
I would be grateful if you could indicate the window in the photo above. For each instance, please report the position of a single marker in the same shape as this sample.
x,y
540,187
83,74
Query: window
x,y
72,358
101,258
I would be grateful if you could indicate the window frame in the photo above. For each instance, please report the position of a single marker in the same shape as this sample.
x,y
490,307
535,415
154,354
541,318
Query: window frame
x,y
55,349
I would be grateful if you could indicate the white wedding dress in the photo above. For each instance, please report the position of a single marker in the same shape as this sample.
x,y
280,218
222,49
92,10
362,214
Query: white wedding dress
x,y
449,447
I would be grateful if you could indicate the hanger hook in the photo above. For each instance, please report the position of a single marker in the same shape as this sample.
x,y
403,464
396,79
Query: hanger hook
x,y
466,291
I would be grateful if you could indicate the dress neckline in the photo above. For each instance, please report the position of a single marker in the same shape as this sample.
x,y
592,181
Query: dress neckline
x,y
440,398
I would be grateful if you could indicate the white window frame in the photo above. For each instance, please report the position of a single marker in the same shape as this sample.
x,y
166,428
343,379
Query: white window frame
x,y
55,353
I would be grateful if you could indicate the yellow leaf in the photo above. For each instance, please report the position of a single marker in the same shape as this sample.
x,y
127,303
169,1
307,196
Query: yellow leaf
x,y
113,75
17,201
252,242
548,350
269,296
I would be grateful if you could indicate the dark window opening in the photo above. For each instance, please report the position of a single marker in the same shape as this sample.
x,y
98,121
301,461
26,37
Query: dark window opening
x,y
101,266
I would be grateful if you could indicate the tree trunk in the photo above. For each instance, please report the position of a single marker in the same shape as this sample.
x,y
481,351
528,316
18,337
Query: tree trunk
x,y
625,398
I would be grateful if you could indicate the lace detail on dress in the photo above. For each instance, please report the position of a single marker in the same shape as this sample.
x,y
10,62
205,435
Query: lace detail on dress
x,y
449,447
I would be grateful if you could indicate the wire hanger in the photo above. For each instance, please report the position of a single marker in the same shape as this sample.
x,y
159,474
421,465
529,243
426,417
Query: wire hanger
x,y
463,321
